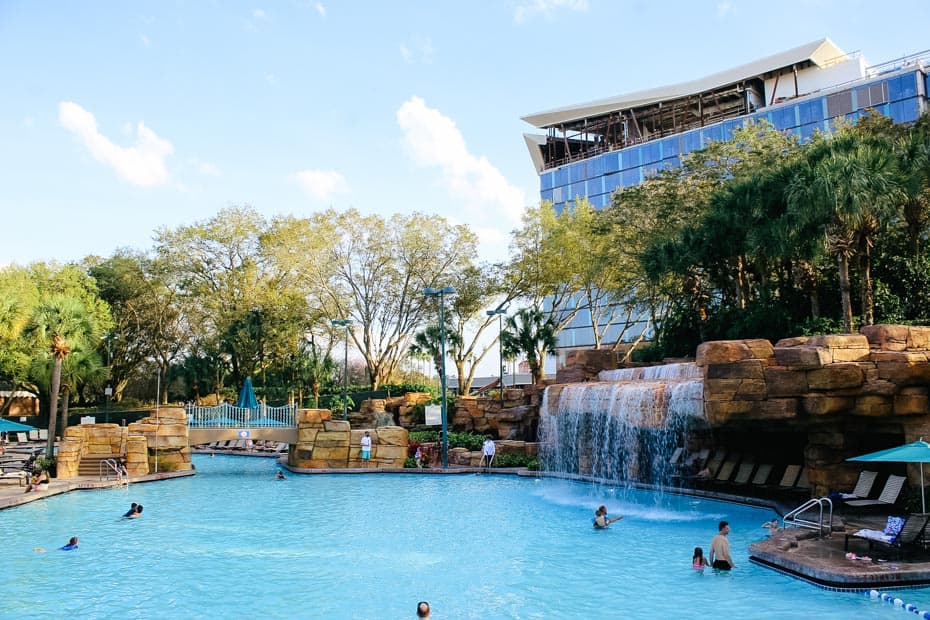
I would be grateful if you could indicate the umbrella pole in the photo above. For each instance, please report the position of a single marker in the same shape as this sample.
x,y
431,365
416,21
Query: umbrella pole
x,y
923,500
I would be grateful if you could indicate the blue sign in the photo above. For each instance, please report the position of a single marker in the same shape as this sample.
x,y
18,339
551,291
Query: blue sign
x,y
243,434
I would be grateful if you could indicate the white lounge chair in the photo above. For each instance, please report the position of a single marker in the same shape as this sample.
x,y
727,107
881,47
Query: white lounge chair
x,y
889,495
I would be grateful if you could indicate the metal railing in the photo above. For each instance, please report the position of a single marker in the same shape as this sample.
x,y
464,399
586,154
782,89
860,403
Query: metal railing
x,y
794,517
106,467
230,416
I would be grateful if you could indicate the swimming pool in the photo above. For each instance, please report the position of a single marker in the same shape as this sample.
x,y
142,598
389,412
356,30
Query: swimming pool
x,y
233,542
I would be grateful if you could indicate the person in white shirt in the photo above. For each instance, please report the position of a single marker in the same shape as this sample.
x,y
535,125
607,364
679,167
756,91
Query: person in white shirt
x,y
366,448
488,449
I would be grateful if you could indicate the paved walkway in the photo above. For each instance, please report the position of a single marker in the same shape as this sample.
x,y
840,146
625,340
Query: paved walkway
x,y
11,494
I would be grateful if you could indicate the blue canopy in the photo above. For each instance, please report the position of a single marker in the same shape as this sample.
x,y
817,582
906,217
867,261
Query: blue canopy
x,y
914,452
14,427
247,398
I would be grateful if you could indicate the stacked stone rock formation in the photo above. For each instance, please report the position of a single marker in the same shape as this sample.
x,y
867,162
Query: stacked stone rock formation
x,y
324,443
166,439
114,441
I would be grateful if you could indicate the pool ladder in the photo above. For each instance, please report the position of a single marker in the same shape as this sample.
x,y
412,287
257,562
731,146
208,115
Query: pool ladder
x,y
108,467
794,517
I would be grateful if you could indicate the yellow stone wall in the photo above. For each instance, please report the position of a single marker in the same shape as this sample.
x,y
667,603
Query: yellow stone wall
x,y
101,439
324,443
167,445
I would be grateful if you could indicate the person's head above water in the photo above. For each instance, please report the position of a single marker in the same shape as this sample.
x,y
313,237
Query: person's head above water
x,y
698,552
422,609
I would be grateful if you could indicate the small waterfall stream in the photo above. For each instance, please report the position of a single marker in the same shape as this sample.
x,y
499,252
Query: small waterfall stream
x,y
623,427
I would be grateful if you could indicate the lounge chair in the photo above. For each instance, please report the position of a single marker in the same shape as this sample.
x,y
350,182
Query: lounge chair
x,y
762,474
726,470
676,456
802,484
713,465
896,535
790,477
43,434
744,472
863,486
888,497
22,437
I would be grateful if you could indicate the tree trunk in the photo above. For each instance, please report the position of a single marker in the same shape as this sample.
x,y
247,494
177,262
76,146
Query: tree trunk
x,y
53,407
868,303
842,260
65,401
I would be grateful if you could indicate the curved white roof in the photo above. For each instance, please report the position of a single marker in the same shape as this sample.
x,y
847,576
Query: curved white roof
x,y
819,52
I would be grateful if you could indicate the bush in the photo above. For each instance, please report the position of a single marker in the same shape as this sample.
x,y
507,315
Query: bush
x,y
410,463
419,437
517,460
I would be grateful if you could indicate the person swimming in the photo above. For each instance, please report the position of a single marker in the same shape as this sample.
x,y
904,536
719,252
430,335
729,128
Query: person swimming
x,y
601,520
280,475
71,546
131,511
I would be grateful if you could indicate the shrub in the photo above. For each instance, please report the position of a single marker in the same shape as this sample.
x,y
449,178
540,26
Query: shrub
x,y
410,463
516,460
419,437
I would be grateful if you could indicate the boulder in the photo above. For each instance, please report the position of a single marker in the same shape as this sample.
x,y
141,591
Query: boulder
x,y
918,338
912,401
821,404
781,381
886,337
393,436
835,377
725,351
802,357
334,426
747,369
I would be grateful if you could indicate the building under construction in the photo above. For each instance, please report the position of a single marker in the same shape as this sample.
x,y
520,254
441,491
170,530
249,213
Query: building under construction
x,y
591,150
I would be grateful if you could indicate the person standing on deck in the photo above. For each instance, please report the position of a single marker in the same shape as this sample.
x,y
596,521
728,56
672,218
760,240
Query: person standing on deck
x,y
366,448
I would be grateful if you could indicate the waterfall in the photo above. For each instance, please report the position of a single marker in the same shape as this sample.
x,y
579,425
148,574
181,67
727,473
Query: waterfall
x,y
623,427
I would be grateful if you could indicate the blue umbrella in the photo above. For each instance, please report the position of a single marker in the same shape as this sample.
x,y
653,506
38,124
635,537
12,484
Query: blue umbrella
x,y
13,427
916,452
247,398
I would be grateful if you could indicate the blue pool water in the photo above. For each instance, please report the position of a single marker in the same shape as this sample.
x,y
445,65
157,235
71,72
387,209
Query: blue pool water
x,y
232,542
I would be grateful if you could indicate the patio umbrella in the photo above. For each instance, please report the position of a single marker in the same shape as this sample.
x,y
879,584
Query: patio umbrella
x,y
247,398
916,452
15,427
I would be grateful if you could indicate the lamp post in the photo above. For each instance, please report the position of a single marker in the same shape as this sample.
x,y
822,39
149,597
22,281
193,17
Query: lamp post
x,y
500,312
345,368
108,392
441,293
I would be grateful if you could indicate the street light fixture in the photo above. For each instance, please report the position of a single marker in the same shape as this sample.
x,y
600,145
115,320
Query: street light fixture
x,y
345,368
500,312
108,392
441,293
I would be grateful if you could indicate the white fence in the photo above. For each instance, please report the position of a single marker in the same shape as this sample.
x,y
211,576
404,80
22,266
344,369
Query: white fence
x,y
230,416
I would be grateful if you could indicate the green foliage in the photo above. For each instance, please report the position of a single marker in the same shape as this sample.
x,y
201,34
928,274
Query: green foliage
x,y
410,463
424,436
398,389
336,405
516,460
48,464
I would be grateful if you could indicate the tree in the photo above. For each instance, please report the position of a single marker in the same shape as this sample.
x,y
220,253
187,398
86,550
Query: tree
x,y
373,271
61,324
530,332
850,186
428,344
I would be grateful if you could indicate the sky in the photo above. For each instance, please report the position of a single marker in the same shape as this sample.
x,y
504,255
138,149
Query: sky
x,y
121,118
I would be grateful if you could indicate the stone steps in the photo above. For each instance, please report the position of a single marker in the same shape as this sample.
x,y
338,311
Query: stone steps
x,y
90,464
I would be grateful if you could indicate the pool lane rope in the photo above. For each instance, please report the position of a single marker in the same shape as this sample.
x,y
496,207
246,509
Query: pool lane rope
x,y
897,602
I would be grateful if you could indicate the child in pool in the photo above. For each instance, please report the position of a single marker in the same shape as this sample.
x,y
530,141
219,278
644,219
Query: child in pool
x,y
698,562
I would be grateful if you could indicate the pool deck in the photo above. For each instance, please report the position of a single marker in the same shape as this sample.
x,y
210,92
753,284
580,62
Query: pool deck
x,y
794,551
12,494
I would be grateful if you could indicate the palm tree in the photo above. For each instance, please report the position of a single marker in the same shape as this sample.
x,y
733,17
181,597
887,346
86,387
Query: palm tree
x,y
849,186
427,344
530,332
59,324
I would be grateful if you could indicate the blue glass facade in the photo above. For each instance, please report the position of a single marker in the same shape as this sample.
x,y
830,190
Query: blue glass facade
x,y
899,97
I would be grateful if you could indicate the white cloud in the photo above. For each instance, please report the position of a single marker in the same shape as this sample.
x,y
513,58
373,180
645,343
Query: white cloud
x,y
420,50
258,14
321,184
206,168
433,141
724,8
144,40
320,9
531,8
142,164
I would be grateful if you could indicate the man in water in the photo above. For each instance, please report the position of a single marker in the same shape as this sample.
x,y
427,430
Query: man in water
x,y
720,548
280,475
601,520
136,513
422,609
131,511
